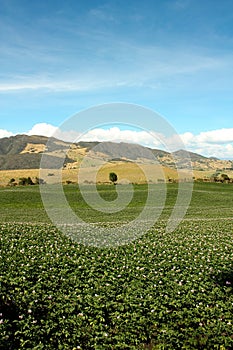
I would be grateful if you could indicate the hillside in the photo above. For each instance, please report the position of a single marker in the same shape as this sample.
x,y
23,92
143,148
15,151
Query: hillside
x,y
23,152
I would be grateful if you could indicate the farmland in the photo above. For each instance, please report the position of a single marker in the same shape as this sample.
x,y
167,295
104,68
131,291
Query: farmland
x,y
162,291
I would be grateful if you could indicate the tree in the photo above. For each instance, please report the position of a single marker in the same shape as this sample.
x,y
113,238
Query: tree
x,y
29,181
23,181
12,182
39,181
113,177
225,178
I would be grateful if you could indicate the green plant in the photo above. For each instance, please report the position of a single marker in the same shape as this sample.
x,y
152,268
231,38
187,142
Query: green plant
x,y
162,291
23,181
12,182
113,177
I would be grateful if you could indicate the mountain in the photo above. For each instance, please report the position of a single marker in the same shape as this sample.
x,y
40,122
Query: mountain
x,y
25,152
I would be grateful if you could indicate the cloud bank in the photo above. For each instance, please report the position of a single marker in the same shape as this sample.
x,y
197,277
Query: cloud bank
x,y
5,133
213,143
217,143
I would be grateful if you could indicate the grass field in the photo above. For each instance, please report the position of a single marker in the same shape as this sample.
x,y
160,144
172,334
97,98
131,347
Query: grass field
x,y
162,291
130,171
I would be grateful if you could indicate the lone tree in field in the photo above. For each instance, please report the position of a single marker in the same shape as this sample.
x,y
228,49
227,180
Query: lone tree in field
x,y
113,177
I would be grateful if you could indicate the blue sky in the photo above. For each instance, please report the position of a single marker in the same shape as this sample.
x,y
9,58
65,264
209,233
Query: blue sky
x,y
173,56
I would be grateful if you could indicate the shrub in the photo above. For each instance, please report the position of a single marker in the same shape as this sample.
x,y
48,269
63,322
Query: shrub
x,y
113,177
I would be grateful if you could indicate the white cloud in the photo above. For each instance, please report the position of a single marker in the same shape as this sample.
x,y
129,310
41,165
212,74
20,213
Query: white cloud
x,y
145,66
5,133
114,134
217,143
216,136
37,84
69,136
42,129
187,137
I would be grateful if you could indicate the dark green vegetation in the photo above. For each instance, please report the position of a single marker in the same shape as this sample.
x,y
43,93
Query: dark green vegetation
x,y
26,181
113,177
163,291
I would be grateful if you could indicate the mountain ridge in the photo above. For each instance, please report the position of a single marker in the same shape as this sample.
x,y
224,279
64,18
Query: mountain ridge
x,y
25,152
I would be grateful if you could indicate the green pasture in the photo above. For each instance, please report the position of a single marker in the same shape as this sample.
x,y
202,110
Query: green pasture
x,y
23,204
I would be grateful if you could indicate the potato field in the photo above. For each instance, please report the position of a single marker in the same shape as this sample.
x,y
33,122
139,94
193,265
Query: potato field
x,y
161,291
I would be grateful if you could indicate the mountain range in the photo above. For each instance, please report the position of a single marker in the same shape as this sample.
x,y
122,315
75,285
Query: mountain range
x,y
22,152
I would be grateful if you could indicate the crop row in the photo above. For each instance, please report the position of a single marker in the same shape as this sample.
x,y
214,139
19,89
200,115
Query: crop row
x,y
163,291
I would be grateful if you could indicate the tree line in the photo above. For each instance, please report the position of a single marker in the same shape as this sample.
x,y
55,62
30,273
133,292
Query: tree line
x,y
25,181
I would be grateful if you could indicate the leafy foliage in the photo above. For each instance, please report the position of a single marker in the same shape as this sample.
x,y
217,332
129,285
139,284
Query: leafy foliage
x,y
113,177
163,291
23,181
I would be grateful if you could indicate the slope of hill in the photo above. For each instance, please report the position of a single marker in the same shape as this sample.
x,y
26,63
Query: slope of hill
x,y
25,152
